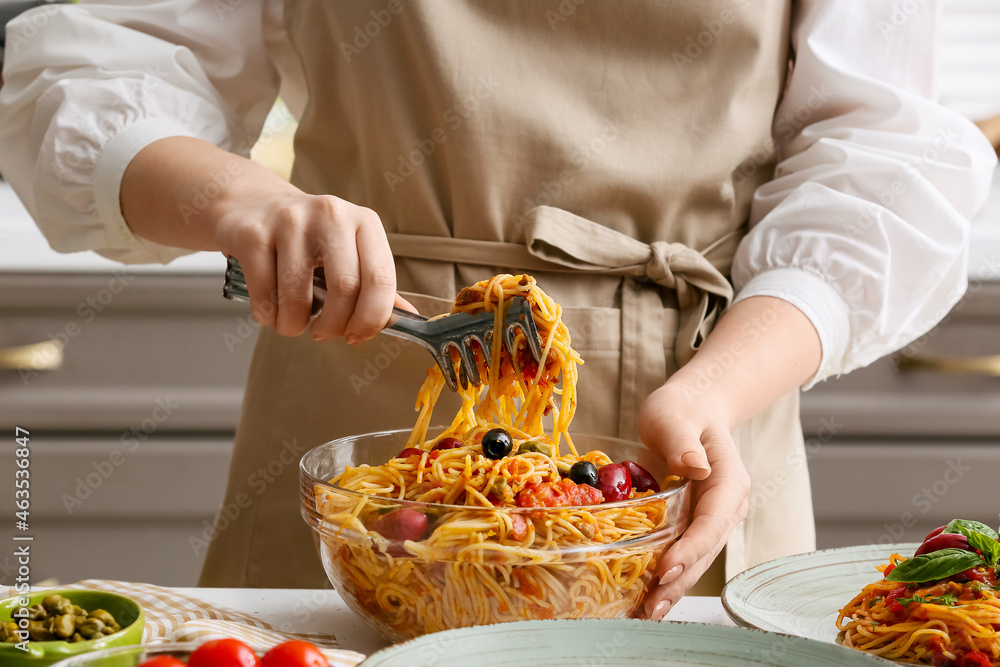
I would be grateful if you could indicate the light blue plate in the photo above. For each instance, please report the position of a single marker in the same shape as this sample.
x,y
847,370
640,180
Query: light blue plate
x,y
802,595
614,643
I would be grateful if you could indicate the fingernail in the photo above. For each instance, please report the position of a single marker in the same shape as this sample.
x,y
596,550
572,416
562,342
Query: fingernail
x,y
695,461
671,574
318,338
661,609
352,339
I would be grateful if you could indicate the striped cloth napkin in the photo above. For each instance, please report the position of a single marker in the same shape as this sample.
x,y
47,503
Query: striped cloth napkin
x,y
173,617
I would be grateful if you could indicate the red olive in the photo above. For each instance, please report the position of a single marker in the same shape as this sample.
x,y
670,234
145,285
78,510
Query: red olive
x,y
642,479
944,541
401,525
936,531
614,481
448,443
408,452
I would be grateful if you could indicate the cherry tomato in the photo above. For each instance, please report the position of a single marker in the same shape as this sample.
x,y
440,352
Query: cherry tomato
x,y
943,541
936,531
615,482
401,525
294,654
223,653
163,661
408,452
642,479
977,659
448,443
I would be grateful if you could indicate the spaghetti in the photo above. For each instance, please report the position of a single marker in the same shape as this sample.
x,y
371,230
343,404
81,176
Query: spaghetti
x,y
444,535
952,620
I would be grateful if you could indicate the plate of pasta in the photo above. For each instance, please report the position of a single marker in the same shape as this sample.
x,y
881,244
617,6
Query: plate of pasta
x,y
937,605
502,515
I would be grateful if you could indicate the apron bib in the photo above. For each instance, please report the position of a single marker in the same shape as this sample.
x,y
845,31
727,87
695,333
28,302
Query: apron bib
x,y
609,149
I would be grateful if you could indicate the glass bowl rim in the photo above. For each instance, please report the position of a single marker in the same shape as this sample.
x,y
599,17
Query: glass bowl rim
x,y
669,491
151,647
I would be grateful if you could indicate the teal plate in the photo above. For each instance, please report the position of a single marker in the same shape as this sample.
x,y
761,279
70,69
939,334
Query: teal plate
x,y
802,595
614,642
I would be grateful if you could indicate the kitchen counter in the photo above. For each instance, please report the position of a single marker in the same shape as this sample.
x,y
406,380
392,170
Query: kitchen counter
x,y
322,611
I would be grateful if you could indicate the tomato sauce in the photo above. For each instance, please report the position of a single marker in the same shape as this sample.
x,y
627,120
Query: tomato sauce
x,y
564,493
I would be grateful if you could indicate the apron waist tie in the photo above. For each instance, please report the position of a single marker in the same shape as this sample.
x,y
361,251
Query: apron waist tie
x,y
559,241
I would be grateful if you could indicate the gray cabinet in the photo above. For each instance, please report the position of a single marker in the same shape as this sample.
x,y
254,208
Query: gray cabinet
x,y
913,440
131,435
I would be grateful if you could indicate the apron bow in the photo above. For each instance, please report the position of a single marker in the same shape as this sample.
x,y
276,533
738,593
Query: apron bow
x,y
576,243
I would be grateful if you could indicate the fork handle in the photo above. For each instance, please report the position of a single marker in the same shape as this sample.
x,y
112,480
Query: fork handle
x,y
402,323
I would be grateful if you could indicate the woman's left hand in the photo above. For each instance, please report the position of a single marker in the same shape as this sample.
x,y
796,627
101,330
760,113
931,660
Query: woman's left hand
x,y
689,435
743,367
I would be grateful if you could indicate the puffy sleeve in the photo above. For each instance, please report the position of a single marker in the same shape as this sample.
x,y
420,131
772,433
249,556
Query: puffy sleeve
x,y
865,225
87,86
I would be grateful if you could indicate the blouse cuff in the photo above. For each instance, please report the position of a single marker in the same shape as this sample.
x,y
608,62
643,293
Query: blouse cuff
x,y
818,301
108,172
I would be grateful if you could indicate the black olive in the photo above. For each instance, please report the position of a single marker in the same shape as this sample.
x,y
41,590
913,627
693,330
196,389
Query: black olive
x,y
584,472
497,444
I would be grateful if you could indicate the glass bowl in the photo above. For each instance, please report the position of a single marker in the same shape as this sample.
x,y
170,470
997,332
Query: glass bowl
x,y
458,578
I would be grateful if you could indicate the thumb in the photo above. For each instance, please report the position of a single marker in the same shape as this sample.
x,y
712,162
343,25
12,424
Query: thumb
x,y
404,304
674,437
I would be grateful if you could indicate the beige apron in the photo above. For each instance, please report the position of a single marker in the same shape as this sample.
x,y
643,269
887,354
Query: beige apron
x,y
611,149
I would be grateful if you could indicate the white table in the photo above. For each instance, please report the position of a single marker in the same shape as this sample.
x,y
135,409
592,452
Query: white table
x,y
323,611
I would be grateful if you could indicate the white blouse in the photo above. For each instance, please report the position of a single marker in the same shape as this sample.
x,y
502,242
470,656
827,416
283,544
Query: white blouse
x,y
864,227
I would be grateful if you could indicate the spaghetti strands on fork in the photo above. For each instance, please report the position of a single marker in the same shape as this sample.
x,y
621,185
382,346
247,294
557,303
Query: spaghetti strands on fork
x,y
483,522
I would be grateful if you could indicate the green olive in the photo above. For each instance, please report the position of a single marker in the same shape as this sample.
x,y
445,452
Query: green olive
x,y
57,604
8,632
534,446
58,618
63,626
37,632
105,618
89,627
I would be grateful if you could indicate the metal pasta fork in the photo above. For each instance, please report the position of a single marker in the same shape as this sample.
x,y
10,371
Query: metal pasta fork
x,y
438,336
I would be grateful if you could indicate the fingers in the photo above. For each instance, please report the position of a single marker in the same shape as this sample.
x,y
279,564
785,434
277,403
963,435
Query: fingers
x,y
258,262
404,304
378,282
295,287
666,430
343,281
661,599
720,504
281,234
359,269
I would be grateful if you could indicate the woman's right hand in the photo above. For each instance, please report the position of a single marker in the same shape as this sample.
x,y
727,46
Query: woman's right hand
x,y
279,233
280,237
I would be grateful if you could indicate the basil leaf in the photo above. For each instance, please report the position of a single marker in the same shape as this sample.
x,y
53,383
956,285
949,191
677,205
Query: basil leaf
x,y
916,598
989,547
934,566
967,528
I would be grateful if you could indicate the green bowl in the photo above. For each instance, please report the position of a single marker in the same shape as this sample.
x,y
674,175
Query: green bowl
x,y
126,611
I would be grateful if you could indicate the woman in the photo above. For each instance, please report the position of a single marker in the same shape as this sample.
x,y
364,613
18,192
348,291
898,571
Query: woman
x,y
614,150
